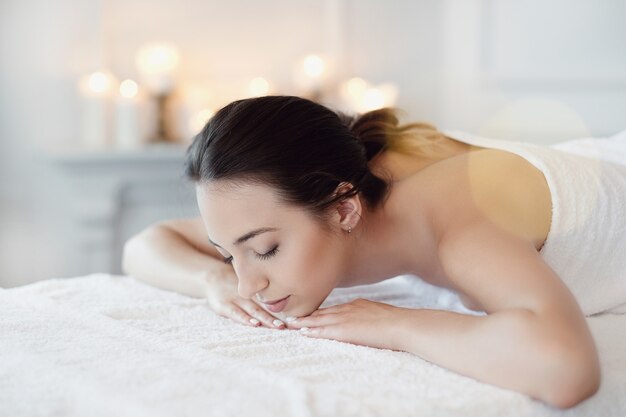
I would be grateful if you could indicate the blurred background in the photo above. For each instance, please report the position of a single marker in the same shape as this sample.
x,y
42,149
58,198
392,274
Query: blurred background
x,y
99,98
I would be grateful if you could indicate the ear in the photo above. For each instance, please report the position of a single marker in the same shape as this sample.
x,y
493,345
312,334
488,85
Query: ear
x,y
348,211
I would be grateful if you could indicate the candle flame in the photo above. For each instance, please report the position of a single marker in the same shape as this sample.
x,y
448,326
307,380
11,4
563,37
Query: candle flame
x,y
313,66
99,82
128,88
362,97
356,87
259,86
373,99
157,58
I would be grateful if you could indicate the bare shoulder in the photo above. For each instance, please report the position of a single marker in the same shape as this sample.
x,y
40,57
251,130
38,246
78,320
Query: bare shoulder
x,y
485,205
472,201
492,185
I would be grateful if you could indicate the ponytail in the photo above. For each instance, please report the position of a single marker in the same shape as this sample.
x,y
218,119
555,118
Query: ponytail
x,y
379,129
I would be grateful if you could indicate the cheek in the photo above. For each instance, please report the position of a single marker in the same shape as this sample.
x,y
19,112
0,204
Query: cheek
x,y
315,267
311,271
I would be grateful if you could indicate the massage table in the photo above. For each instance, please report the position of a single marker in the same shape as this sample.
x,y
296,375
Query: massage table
x,y
111,345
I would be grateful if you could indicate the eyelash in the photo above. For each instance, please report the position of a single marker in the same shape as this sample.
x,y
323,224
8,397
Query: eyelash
x,y
263,256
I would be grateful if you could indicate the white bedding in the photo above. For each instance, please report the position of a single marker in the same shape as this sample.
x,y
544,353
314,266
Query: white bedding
x,y
109,345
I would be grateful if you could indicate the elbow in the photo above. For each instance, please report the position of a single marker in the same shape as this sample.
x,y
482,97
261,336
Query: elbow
x,y
579,380
127,255
135,248
568,398
130,253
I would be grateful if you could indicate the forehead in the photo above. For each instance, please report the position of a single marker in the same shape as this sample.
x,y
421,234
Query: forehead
x,y
229,210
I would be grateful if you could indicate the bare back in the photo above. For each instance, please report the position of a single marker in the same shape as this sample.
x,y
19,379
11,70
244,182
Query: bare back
x,y
471,182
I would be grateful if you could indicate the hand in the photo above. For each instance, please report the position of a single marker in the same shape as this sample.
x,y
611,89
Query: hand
x,y
223,298
361,322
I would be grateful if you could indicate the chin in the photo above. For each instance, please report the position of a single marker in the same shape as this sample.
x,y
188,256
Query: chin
x,y
300,310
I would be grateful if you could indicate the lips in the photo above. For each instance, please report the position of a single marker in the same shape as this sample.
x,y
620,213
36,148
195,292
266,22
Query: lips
x,y
277,305
273,302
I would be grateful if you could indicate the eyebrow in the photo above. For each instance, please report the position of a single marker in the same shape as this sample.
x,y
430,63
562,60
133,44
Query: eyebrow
x,y
248,235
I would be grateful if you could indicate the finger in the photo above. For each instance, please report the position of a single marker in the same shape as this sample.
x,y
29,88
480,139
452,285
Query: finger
x,y
314,321
322,332
234,312
261,315
333,332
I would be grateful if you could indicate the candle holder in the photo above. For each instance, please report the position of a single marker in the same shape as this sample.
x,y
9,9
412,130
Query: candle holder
x,y
164,132
157,63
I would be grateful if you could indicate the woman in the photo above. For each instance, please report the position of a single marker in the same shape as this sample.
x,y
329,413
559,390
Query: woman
x,y
296,200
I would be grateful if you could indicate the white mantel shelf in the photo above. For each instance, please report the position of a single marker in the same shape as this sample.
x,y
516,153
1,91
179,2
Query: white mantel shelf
x,y
153,153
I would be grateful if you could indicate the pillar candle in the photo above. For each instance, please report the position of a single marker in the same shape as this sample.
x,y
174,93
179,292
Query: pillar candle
x,y
127,109
96,109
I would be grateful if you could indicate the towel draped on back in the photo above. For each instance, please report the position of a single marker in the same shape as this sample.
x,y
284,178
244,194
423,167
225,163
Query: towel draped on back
x,y
586,244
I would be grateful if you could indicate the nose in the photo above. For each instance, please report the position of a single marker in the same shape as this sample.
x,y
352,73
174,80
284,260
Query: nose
x,y
250,283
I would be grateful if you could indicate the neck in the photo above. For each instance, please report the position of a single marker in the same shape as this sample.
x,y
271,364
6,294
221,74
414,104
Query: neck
x,y
386,244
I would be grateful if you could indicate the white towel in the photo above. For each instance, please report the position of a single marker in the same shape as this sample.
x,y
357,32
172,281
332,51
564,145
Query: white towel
x,y
104,345
586,245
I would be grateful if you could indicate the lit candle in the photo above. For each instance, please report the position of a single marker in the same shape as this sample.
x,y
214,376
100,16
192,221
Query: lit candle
x,y
352,92
309,76
313,67
127,130
362,97
95,92
194,104
156,63
355,87
258,86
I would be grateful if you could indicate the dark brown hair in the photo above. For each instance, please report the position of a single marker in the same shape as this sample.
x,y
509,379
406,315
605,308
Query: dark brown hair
x,y
300,148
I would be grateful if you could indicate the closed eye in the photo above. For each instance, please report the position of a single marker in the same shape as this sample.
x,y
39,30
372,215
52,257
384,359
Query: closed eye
x,y
263,256
268,254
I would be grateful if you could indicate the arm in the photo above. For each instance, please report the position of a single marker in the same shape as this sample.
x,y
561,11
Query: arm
x,y
175,255
535,339
505,349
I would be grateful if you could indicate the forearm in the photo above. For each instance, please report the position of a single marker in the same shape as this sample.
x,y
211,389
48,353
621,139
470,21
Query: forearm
x,y
164,259
503,349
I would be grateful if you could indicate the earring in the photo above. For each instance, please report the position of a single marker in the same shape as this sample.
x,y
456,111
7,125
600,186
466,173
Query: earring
x,y
349,229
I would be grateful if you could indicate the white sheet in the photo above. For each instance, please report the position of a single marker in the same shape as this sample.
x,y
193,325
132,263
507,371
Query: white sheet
x,y
106,345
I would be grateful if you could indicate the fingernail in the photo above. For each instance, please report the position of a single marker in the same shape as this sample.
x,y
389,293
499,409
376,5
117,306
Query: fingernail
x,y
290,319
254,321
278,323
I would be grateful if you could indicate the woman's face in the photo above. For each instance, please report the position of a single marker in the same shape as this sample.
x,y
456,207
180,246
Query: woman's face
x,y
293,257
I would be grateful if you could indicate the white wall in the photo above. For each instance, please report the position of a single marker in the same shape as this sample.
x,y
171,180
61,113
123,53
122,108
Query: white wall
x,y
43,46
533,70
400,42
